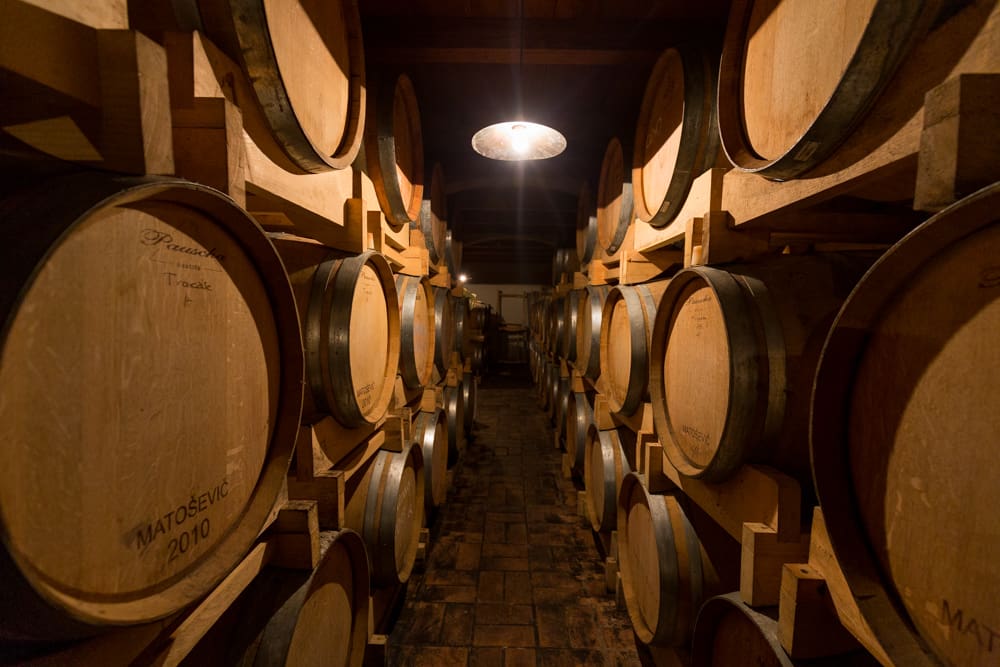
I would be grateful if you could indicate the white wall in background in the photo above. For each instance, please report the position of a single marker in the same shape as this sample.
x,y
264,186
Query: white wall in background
x,y
513,309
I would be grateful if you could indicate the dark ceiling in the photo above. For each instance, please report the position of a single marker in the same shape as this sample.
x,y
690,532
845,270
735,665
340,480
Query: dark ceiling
x,y
580,66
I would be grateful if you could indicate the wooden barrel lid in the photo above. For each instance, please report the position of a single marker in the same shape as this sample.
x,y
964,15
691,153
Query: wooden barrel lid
x,y
470,398
394,514
150,390
444,328
434,216
454,409
614,199
903,414
661,564
797,77
579,417
676,138
416,331
604,467
432,435
626,325
394,150
352,333
291,617
588,329
305,62
586,225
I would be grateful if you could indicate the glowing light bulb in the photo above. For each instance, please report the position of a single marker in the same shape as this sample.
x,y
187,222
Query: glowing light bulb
x,y
518,140
462,278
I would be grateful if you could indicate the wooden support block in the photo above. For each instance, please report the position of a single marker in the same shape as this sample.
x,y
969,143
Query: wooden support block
x,y
432,399
640,421
808,626
711,239
581,498
295,533
97,97
326,443
579,281
173,649
610,573
423,546
398,429
705,195
597,272
762,561
416,262
754,494
376,653
824,562
620,592
602,414
652,458
208,145
442,278
958,142
637,267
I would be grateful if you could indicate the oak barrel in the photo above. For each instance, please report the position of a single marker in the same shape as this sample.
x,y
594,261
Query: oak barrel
x,y
318,617
904,419
454,410
615,206
351,329
567,339
463,330
394,150
150,393
604,468
728,632
797,77
564,261
586,225
733,355
676,137
431,432
470,400
626,328
452,254
305,63
444,329
416,330
665,573
579,418
434,216
387,509
588,329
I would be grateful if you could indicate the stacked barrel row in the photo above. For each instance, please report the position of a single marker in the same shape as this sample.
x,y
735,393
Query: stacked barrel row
x,y
785,409
177,354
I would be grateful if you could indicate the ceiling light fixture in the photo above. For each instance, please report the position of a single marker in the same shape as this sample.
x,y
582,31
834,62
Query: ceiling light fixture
x,y
518,139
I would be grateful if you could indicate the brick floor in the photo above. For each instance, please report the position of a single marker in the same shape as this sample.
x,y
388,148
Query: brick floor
x,y
512,577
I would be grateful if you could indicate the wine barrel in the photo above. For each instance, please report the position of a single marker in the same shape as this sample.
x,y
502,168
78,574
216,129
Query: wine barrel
x,y
295,617
387,509
586,225
567,341
416,330
733,357
444,329
478,315
150,394
797,77
579,418
394,150
604,468
434,217
545,383
626,327
469,402
615,206
460,342
351,329
676,137
588,329
454,410
665,573
431,432
564,260
903,414
452,254
728,632
477,354
305,63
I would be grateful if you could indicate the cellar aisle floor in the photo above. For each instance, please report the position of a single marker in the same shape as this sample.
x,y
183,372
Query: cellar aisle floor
x,y
513,576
